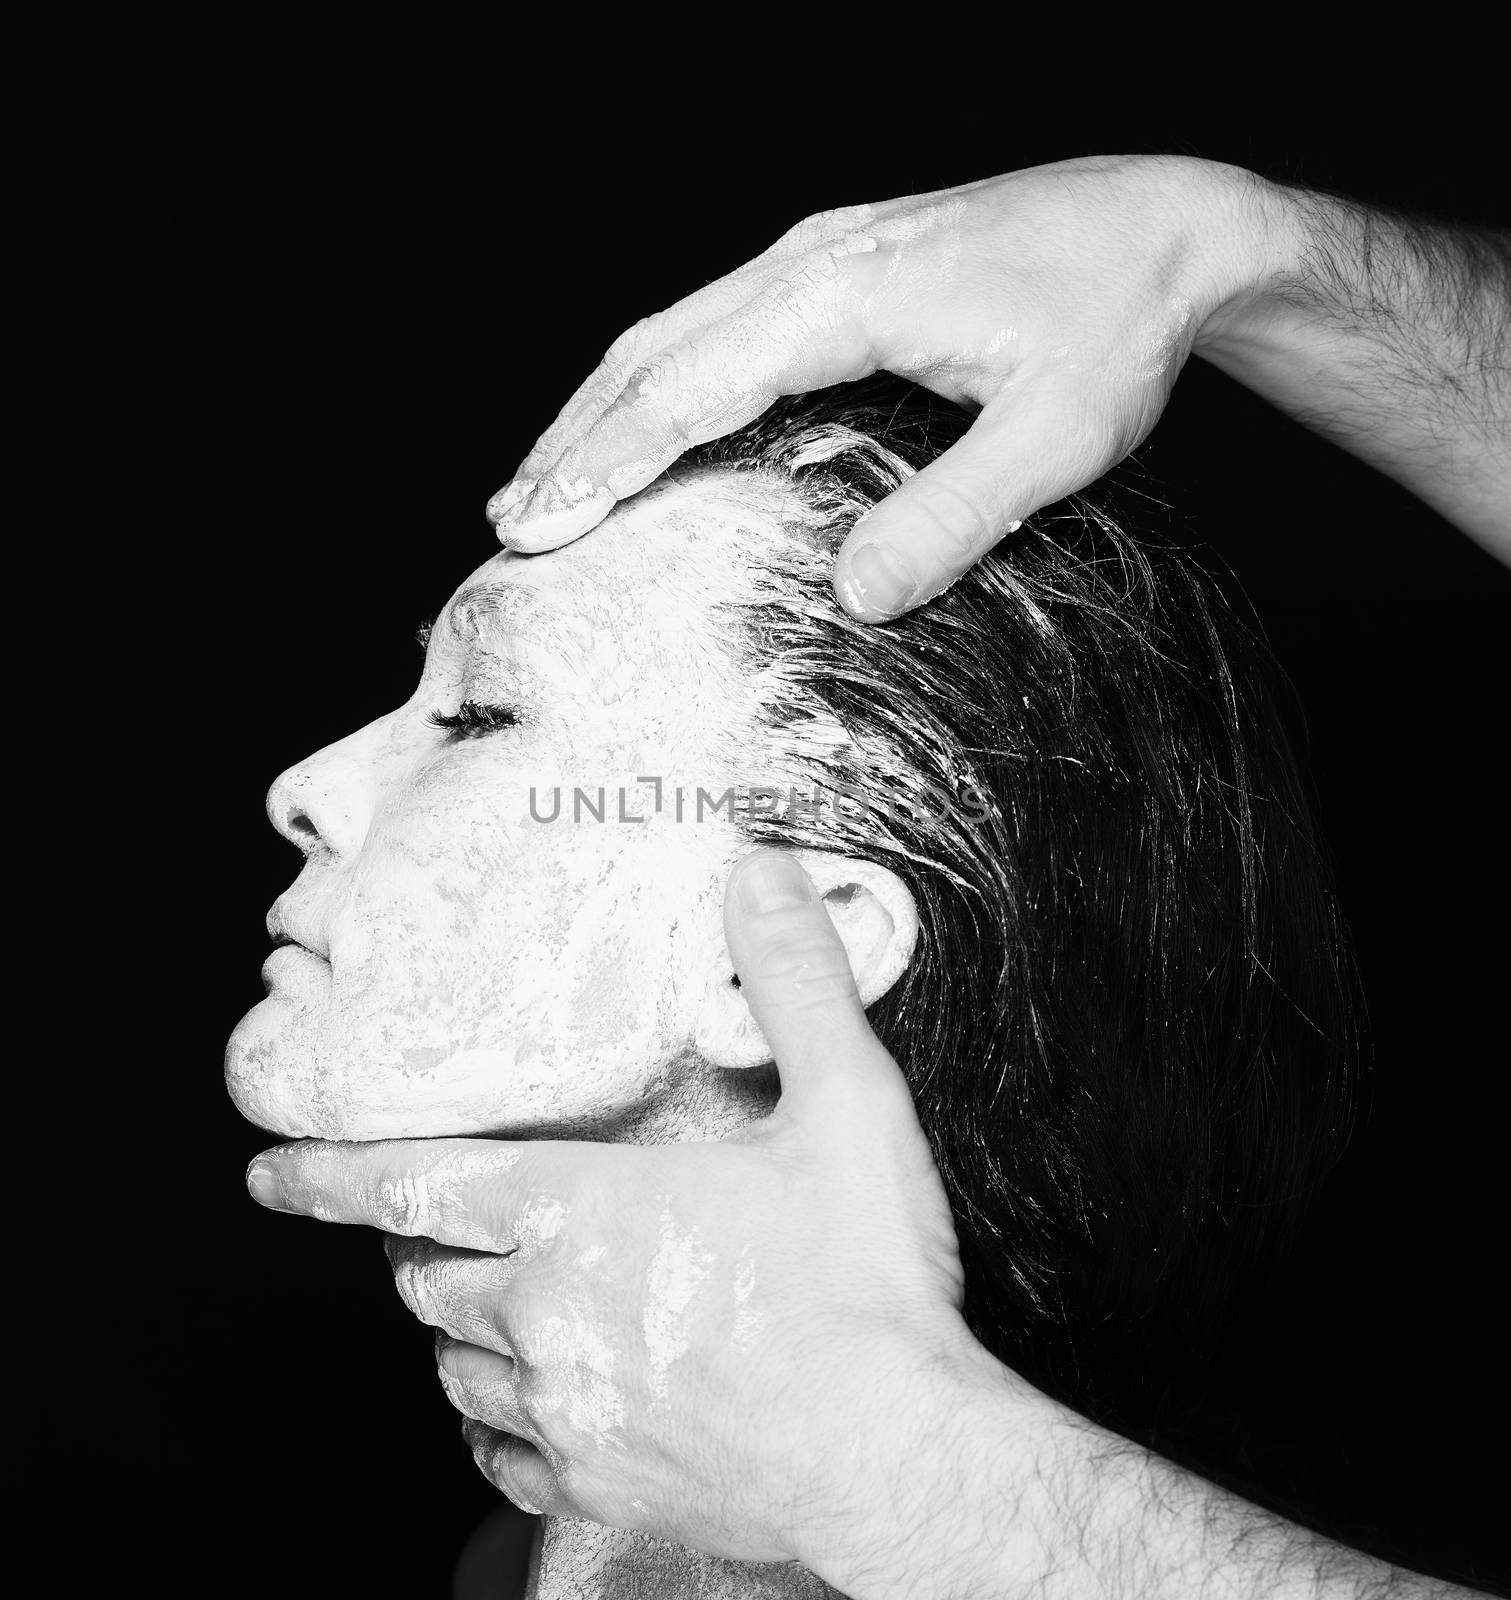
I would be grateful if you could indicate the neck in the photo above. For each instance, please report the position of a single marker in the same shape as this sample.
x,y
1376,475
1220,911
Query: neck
x,y
581,1561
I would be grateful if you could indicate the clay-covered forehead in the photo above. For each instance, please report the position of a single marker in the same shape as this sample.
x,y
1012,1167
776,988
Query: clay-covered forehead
x,y
702,532
645,589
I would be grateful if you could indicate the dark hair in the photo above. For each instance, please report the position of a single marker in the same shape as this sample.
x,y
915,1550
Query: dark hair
x,y
1129,1025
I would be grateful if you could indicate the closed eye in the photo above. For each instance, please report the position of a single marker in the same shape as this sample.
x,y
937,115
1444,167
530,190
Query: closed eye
x,y
472,719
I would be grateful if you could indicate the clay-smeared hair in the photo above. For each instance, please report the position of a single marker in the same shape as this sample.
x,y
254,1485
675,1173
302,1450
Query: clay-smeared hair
x,y
1129,1024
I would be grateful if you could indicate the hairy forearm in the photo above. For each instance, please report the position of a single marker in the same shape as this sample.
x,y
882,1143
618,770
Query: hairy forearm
x,y
1005,1495
1387,334
1115,1519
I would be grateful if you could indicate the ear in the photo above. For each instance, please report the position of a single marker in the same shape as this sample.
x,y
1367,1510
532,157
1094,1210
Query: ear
x,y
873,912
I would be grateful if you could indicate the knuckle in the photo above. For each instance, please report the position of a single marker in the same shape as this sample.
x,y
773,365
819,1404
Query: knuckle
x,y
488,1454
958,517
458,1294
479,1384
536,1336
629,340
656,381
407,1281
422,1282
802,234
403,1202
539,1229
803,956
518,1470
483,1402
821,226
631,345
458,1392
477,1314
400,1250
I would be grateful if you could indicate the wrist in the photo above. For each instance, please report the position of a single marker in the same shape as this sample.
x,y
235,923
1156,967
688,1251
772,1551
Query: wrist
x,y
929,1500
1228,235
1257,247
1302,253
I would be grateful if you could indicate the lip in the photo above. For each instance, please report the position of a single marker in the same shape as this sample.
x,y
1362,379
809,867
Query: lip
x,y
292,968
285,928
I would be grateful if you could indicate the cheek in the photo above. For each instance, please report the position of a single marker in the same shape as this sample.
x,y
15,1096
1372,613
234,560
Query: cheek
x,y
620,982
472,925
615,929
492,972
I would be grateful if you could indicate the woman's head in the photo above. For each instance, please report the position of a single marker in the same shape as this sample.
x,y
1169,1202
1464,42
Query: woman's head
x,y
1069,829
488,937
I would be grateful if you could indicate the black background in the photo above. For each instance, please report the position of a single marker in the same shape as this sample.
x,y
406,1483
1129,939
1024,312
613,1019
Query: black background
x,y
345,285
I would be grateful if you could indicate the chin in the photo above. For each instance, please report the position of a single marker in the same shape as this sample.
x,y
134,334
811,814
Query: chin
x,y
266,1088
285,1075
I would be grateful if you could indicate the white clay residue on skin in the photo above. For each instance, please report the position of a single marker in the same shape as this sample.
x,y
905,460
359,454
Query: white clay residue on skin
x,y
999,341
468,967
748,1318
574,1363
1160,340
454,1296
536,1225
425,1200
563,492
510,498
677,1272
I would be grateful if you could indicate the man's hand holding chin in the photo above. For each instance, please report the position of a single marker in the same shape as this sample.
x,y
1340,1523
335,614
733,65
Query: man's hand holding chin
x,y
756,1347
745,1347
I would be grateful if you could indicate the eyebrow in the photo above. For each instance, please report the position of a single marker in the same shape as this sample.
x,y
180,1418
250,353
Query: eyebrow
x,y
487,603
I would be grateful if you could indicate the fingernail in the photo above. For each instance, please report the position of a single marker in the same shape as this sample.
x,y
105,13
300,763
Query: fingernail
x,y
505,505
771,881
551,517
521,514
877,581
265,1187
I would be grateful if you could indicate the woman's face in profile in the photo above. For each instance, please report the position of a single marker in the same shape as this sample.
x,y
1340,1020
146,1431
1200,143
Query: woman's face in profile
x,y
459,966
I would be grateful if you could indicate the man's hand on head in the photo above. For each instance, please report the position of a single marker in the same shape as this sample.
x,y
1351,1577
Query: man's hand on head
x,y
1059,302
728,1345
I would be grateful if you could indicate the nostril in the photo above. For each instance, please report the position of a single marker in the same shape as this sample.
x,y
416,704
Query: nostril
x,y
301,826
304,807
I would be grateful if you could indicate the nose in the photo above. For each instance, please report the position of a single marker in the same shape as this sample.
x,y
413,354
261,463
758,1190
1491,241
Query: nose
x,y
325,804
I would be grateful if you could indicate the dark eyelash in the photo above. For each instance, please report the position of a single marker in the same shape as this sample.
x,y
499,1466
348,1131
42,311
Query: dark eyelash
x,y
472,719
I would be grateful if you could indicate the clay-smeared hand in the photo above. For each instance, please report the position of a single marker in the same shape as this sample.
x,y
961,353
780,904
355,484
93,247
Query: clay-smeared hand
x,y
1060,302
720,1344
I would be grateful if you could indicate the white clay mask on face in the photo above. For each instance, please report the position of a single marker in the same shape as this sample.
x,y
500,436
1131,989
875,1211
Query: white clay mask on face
x,y
462,966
